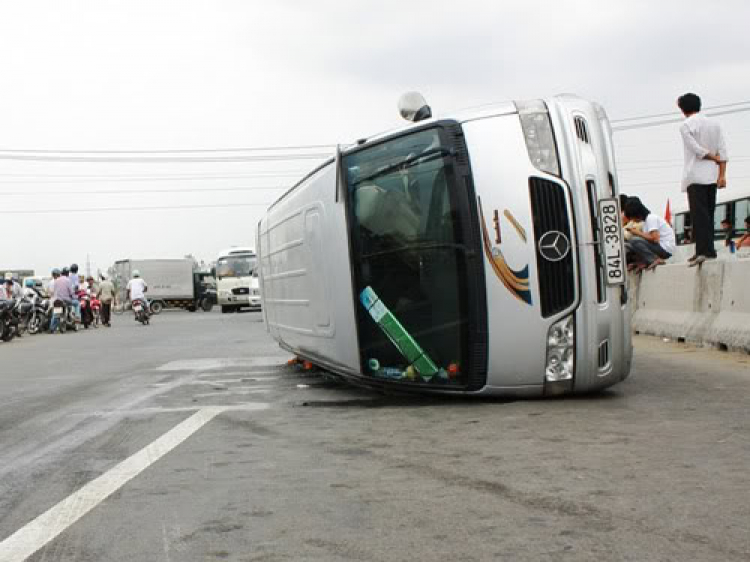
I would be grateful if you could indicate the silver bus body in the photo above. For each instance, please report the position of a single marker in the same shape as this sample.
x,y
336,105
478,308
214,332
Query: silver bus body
x,y
458,254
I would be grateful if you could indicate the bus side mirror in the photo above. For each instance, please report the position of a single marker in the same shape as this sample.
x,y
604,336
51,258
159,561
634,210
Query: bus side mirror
x,y
413,107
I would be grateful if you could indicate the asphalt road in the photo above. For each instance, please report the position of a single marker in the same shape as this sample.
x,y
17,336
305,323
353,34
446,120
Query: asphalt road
x,y
190,440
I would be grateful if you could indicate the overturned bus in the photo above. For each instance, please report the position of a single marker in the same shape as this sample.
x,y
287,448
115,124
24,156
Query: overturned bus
x,y
478,253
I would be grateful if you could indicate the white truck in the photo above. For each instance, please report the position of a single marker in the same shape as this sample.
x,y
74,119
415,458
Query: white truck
x,y
171,283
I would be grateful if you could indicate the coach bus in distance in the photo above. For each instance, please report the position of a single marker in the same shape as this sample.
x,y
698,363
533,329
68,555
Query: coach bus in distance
x,y
732,204
477,253
237,279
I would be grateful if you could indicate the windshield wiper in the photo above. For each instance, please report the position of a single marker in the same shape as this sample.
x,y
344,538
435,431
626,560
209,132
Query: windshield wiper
x,y
407,163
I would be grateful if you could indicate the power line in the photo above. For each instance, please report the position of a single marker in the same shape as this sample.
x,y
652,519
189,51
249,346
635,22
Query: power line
x,y
139,191
118,209
626,184
728,132
642,117
51,178
672,160
170,150
161,160
676,120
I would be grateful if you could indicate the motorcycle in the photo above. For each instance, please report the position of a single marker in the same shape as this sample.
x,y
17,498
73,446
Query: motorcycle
x,y
41,315
139,311
8,325
96,310
87,314
22,311
63,318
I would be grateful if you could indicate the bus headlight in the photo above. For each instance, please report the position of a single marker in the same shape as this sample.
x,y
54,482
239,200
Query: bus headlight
x,y
540,139
561,344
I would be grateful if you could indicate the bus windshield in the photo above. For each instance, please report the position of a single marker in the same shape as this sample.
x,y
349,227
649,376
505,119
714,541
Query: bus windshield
x,y
408,258
235,266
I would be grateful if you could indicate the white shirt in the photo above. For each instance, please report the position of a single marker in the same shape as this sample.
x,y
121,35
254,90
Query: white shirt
x,y
701,136
137,288
666,233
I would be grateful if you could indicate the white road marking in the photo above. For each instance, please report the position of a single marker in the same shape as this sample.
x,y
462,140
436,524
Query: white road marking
x,y
211,364
231,393
233,381
36,534
258,374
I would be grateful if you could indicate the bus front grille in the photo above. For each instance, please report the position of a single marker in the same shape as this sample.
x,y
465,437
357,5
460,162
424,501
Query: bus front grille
x,y
554,246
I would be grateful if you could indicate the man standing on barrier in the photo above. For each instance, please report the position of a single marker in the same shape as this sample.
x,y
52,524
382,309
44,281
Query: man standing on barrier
x,y
704,172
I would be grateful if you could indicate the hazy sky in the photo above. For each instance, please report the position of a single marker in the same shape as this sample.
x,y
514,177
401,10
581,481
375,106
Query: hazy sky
x,y
161,75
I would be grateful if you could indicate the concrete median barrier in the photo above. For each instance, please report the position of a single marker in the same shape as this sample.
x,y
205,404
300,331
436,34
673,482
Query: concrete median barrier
x,y
709,304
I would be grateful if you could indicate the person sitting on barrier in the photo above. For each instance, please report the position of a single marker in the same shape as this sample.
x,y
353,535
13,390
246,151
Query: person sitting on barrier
x,y
744,241
652,245
726,228
623,201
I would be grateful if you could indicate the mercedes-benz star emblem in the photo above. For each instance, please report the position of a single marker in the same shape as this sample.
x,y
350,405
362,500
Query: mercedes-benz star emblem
x,y
554,245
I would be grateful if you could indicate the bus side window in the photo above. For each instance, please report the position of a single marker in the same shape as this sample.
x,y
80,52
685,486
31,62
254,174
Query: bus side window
x,y
679,228
719,215
741,212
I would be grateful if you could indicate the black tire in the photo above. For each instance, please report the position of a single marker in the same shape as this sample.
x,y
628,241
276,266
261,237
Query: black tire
x,y
157,307
207,305
225,309
192,308
35,324
8,333
63,325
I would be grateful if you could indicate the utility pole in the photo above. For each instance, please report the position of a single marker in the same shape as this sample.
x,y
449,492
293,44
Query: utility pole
x,y
88,267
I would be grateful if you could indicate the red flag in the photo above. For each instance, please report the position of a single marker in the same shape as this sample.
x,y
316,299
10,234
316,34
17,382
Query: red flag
x,y
668,214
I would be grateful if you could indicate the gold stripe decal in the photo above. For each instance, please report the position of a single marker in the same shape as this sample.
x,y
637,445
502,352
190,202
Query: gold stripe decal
x,y
517,282
515,223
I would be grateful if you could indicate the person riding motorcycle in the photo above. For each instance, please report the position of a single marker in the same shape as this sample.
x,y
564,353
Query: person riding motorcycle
x,y
29,289
136,289
75,281
6,290
14,291
61,291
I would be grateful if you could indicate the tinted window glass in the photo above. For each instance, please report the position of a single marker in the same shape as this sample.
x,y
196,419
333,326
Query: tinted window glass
x,y
408,260
741,212
719,215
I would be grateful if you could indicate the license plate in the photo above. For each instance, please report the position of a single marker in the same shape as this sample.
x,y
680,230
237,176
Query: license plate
x,y
610,225
137,307
58,310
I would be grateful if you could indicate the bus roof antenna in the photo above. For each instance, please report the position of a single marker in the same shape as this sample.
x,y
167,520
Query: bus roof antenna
x,y
413,107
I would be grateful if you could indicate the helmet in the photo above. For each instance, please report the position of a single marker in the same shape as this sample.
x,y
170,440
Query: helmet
x,y
55,271
74,268
65,271
136,273
28,283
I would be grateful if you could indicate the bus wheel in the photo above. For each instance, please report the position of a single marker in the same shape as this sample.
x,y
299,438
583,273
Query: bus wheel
x,y
157,307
